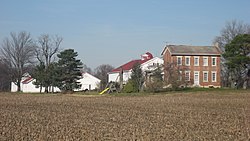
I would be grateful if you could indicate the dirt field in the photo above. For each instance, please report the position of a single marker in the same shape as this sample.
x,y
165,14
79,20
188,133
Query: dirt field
x,y
198,116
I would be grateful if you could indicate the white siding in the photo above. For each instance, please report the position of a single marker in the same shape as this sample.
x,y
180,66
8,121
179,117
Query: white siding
x,y
126,76
30,88
149,65
114,76
13,87
87,81
152,64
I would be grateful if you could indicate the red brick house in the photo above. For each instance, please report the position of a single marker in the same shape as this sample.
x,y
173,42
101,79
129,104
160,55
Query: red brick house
x,y
200,64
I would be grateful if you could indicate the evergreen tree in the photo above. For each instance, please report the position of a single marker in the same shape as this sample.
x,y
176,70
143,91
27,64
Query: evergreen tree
x,y
47,47
137,77
237,58
39,75
69,70
45,77
154,80
54,74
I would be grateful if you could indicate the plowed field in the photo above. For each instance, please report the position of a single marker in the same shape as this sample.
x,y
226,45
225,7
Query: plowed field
x,y
197,116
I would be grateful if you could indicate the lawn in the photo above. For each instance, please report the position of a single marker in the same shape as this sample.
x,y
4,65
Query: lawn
x,y
200,115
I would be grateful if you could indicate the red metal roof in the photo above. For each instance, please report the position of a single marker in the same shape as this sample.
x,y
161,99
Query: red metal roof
x,y
129,65
27,80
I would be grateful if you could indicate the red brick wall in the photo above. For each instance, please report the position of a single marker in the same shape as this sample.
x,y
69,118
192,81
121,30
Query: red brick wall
x,y
168,59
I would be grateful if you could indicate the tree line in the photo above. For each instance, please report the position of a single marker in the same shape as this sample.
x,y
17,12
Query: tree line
x,y
44,60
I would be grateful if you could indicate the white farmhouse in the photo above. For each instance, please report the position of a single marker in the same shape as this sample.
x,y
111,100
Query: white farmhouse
x,y
87,81
147,62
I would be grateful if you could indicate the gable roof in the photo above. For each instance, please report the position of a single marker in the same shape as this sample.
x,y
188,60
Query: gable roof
x,y
191,50
27,80
128,66
90,76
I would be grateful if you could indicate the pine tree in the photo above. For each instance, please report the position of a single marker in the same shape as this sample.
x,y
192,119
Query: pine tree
x,y
46,78
237,58
69,70
39,76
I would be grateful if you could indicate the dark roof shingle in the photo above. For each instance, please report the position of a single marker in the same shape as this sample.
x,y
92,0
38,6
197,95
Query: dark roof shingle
x,y
192,50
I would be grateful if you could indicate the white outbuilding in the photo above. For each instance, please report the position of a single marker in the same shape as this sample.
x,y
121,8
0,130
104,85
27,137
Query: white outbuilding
x,y
88,82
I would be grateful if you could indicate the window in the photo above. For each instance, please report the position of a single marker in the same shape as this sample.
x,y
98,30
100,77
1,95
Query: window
x,y
156,64
205,76
187,75
179,60
205,61
214,76
187,60
196,61
213,61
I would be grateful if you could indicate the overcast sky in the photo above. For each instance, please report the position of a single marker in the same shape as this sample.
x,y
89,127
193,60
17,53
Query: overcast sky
x,y
117,31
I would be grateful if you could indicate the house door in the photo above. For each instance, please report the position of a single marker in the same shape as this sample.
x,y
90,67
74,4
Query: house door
x,y
196,78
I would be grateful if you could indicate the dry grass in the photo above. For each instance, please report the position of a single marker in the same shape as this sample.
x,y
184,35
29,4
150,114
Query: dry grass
x,y
198,116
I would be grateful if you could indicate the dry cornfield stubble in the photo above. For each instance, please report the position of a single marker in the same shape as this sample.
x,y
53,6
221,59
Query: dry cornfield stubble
x,y
198,116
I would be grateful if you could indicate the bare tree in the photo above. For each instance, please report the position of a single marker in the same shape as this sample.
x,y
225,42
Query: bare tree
x,y
228,33
154,79
46,49
87,69
175,76
5,79
18,52
101,72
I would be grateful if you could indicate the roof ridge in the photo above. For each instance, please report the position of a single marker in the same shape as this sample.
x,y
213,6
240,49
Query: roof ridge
x,y
192,45
130,64
187,49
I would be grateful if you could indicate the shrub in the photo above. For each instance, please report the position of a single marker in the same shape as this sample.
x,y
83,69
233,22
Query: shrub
x,y
129,87
154,85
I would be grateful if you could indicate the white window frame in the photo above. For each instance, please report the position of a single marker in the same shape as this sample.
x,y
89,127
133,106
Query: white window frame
x,y
204,76
187,57
188,76
198,58
214,63
204,61
178,59
214,72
